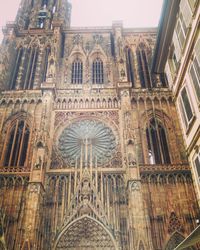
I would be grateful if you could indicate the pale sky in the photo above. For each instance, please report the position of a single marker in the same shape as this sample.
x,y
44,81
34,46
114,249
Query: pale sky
x,y
133,13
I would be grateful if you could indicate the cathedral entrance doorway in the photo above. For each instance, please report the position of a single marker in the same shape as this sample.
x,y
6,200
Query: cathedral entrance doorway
x,y
85,233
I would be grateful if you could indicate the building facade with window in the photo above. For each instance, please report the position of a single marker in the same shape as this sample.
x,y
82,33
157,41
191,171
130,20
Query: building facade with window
x,y
92,153
181,64
177,54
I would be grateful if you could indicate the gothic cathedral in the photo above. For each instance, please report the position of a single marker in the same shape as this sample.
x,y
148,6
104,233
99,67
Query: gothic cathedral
x,y
91,150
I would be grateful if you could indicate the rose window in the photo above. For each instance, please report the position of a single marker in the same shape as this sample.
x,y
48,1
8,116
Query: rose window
x,y
87,142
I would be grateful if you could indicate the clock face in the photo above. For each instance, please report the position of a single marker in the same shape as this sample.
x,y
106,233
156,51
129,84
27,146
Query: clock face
x,y
89,141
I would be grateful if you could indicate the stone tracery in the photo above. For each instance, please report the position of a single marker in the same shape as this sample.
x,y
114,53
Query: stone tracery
x,y
89,138
85,233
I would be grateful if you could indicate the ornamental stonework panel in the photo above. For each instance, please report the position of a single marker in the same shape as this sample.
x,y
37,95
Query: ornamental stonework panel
x,y
62,117
85,234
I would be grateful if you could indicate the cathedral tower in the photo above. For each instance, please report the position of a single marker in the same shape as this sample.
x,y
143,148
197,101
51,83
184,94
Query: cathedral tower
x,y
92,154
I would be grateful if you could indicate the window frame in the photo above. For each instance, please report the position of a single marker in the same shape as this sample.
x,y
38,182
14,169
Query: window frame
x,y
98,71
77,71
17,139
159,149
184,116
195,65
182,31
197,171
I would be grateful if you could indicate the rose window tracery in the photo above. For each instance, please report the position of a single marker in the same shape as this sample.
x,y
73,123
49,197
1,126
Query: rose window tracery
x,y
87,142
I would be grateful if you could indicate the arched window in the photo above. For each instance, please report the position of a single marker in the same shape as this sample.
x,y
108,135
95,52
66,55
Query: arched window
x,y
174,241
130,65
157,143
77,71
16,144
143,67
97,71
141,246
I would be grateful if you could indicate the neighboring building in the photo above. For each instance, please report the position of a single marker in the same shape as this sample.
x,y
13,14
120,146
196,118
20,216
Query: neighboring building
x,y
92,153
177,55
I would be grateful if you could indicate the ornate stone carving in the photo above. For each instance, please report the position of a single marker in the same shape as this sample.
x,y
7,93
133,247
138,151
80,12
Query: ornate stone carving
x,y
38,163
77,39
174,224
101,142
134,185
174,241
62,117
91,235
98,38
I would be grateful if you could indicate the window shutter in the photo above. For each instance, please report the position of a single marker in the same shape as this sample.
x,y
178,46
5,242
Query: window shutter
x,y
186,11
177,48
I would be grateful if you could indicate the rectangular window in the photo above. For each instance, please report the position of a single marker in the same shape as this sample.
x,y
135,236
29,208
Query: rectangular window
x,y
186,107
197,165
181,30
195,70
177,48
195,76
186,10
174,61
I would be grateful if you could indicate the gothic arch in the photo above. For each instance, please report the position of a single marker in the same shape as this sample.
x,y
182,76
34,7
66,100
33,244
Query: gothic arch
x,y
157,142
97,53
141,245
88,231
143,65
16,136
80,54
18,115
130,65
175,239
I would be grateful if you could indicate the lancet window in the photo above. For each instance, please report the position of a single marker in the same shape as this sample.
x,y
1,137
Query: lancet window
x,y
143,68
18,61
16,145
130,65
24,70
46,62
77,71
97,71
157,143
30,68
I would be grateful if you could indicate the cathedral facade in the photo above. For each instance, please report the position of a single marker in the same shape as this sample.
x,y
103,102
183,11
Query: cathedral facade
x,y
92,152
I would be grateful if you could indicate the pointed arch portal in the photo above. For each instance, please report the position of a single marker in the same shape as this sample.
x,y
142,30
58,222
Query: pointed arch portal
x,y
85,233
174,241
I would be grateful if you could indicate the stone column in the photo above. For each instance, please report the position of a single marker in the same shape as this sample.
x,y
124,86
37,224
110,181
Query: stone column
x,y
33,220
120,55
137,77
139,225
32,226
